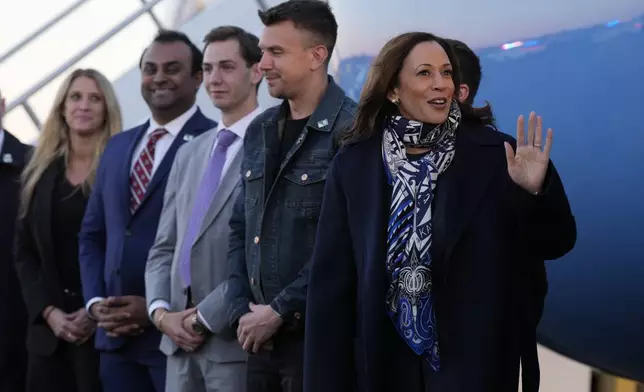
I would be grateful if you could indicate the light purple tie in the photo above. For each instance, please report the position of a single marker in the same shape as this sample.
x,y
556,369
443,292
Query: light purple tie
x,y
207,189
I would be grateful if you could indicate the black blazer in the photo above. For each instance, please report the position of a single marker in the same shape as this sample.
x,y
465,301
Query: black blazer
x,y
490,240
13,158
35,263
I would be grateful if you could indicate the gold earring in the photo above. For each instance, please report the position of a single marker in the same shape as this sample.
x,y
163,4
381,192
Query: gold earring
x,y
395,101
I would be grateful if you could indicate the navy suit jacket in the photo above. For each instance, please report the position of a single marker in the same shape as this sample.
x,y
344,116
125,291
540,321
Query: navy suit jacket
x,y
114,243
490,240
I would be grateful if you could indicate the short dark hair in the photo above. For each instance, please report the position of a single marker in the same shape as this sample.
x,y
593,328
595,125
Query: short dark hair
x,y
314,16
248,42
470,67
168,36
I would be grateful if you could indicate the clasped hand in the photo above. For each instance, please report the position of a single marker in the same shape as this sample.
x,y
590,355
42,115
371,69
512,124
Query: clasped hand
x,y
178,327
121,316
257,327
74,327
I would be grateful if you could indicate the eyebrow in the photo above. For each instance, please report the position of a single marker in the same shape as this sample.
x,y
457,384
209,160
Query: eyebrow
x,y
226,61
272,47
431,66
172,62
71,92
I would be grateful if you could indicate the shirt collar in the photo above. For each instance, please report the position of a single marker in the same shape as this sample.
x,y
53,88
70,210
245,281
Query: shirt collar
x,y
175,126
239,127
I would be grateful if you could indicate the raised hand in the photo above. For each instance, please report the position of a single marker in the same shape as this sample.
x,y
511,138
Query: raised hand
x,y
528,165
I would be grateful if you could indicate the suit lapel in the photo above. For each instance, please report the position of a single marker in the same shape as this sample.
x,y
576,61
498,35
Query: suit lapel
x,y
188,131
378,193
125,171
196,176
42,214
228,183
460,190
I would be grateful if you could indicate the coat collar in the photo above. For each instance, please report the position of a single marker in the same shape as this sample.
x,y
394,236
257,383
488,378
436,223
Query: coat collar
x,y
324,116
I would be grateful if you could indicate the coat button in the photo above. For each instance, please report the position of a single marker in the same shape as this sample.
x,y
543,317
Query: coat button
x,y
297,315
304,177
256,240
248,173
252,281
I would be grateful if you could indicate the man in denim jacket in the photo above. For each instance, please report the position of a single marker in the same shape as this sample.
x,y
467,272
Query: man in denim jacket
x,y
287,151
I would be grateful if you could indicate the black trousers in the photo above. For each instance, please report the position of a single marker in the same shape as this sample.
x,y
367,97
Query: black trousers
x,y
279,369
70,368
13,368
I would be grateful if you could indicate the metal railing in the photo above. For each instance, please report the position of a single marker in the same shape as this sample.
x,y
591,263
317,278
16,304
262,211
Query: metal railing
x,y
65,13
261,5
146,7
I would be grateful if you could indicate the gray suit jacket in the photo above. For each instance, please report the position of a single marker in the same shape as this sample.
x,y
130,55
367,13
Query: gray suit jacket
x,y
209,261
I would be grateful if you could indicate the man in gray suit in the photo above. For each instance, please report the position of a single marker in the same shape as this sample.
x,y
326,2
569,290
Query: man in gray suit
x,y
187,267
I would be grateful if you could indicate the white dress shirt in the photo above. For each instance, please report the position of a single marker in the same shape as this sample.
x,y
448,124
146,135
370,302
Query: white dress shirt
x,y
239,129
162,146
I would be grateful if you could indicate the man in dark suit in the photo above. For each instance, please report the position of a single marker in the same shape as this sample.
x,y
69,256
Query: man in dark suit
x,y
122,215
13,324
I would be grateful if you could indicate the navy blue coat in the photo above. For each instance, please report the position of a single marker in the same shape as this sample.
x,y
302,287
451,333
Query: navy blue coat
x,y
490,242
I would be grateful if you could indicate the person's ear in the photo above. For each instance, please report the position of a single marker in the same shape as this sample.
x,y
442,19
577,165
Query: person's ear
x,y
463,92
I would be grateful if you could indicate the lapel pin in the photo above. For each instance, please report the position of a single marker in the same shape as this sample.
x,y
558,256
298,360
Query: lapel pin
x,y
323,123
187,138
7,158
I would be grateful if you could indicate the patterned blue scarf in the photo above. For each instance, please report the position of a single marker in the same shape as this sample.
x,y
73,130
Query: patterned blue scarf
x,y
409,233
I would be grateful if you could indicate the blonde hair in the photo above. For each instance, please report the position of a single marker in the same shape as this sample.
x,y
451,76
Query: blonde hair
x,y
53,141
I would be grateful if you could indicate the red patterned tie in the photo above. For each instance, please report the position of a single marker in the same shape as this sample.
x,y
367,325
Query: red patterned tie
x,y
142,172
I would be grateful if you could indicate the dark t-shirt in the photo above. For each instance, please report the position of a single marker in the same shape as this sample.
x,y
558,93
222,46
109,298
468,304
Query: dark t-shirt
x,y
292,130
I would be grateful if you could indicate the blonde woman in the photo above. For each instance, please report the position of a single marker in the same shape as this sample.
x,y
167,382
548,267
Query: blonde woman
x,y
56,185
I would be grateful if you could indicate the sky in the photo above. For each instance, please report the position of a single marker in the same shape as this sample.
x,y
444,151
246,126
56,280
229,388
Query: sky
x,y
44,55
364,26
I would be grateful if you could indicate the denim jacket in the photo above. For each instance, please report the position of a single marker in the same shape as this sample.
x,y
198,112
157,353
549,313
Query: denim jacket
x,y
274,225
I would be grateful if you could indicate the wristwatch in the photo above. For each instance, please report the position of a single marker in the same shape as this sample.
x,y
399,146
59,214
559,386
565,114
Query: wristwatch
x,y
198,327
